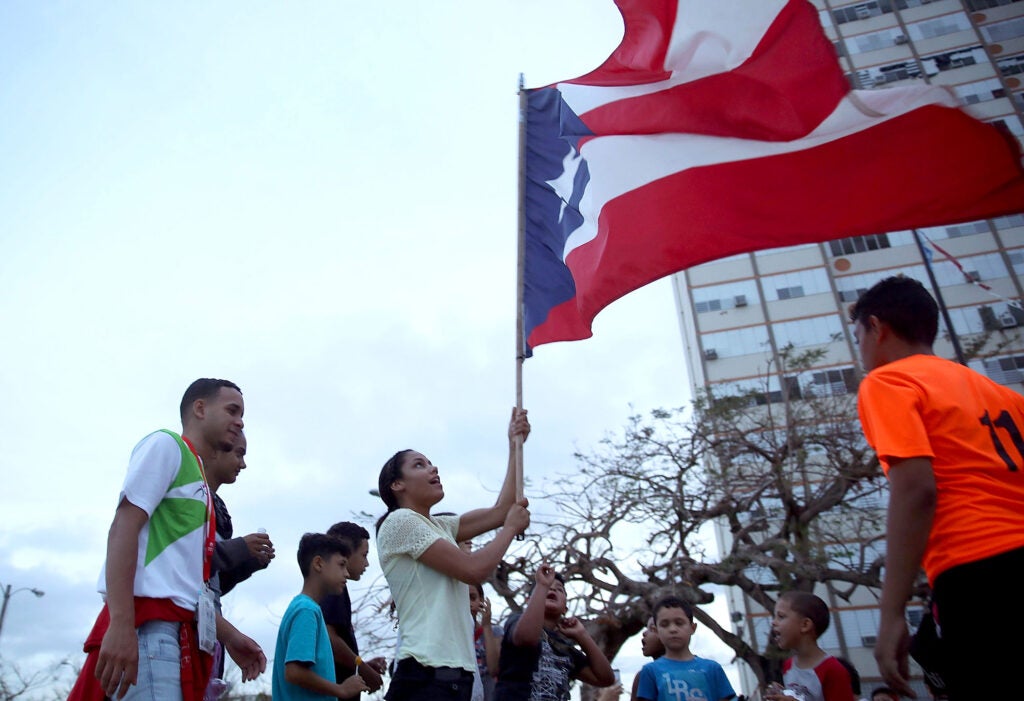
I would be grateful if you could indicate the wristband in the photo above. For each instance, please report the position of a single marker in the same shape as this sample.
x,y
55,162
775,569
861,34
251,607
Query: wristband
x,y
359,661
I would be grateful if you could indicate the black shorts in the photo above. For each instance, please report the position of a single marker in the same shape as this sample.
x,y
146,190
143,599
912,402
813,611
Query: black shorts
x,y
415,682
978,613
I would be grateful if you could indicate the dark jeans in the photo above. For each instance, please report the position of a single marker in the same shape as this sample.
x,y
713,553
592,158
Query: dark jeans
x,y
979,612
414,682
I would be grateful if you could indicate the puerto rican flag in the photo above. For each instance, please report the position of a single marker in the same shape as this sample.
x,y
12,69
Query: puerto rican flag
x,y
724,126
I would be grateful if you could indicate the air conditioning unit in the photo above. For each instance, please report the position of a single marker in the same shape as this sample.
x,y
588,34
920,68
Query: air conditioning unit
x,y
740,301
868,640
973,275
1007,320
710,354
900,39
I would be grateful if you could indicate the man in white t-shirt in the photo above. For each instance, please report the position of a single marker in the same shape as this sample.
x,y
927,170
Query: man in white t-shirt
x,y
158,560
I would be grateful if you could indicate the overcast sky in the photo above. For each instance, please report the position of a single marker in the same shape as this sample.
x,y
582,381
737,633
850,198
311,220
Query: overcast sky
x,y
316,200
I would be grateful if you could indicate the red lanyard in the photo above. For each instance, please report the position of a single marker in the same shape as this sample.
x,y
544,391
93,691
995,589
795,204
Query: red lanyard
x,y
211,516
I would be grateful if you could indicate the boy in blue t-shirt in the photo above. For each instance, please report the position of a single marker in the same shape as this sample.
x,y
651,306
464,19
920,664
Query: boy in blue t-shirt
x,y
679,675
303,659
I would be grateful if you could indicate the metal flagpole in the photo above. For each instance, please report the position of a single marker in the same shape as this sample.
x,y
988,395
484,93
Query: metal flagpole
x,y
938,298
520,340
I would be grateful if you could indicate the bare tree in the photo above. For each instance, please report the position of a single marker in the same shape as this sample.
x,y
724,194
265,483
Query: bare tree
x,y
784,474
49,683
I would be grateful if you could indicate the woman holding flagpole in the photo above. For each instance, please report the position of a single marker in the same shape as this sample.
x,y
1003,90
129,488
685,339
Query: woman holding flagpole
x,y
429,574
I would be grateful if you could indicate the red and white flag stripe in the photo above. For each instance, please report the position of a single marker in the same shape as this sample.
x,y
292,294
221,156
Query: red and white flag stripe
x,y
723,127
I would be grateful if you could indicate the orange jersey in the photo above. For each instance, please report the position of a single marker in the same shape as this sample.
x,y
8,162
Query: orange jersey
x,y
972,429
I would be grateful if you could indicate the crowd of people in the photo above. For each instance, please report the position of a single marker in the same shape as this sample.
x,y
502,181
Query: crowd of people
x,y
949,440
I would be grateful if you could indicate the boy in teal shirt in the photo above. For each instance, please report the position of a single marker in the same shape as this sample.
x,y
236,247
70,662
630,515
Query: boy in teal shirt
x,y
679,675
303,660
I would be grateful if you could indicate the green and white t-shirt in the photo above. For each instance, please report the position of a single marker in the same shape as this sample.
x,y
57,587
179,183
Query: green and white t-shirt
x,y
165,480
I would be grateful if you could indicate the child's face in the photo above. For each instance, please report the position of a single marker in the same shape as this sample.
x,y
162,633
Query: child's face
x,y
475,602
335,572
359,561
650,643
787,625
555,602
675,629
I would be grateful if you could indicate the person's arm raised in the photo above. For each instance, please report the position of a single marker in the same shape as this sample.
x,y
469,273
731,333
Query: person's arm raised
x,y
492,643
530,626
477,566
473,523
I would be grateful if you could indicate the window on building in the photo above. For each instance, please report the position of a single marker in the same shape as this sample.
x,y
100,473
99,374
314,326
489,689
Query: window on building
x,y
939,26
761,391
976,5
834,382
980,91
985,267
1004,31
1011,65
948,60
1000,317
795,284
774,394
965,320
860,626
727,344
730,295
901,238
862,10
1007,370
859,244
851,295
1017,260
878,76
734,388
802,333
873,41
850,287
968,229
1009,222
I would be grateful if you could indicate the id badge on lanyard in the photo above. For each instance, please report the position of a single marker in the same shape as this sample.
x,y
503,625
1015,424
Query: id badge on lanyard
x,y
206,610
206,615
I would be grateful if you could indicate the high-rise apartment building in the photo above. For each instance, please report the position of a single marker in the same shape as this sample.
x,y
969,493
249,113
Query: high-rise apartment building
x,y
737,313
